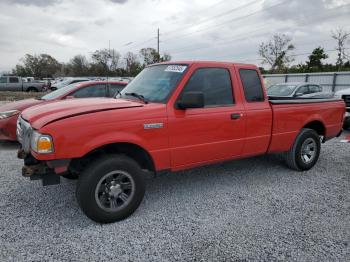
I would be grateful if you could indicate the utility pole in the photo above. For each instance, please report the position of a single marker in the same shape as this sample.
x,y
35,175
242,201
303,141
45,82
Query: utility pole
x,y
158,45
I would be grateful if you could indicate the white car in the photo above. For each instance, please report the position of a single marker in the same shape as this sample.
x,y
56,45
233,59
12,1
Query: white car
x,y
345,94
67,82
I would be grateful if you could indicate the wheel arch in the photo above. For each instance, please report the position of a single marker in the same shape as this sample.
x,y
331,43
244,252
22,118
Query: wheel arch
x,y
134,151
316,125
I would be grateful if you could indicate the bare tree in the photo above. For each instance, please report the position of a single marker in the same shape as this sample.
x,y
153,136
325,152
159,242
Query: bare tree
x,y
342,37
276,51
133,66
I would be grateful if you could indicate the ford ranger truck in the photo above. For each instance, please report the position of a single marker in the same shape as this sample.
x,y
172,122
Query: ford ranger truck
x,y
172,116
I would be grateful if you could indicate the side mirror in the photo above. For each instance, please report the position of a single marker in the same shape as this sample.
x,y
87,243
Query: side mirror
x,y
191,100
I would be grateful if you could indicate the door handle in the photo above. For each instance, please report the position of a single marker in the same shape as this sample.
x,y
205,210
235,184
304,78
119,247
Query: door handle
x,y
235,116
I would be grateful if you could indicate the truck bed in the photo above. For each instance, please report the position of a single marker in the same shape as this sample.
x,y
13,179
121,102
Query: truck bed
x,y
289,118
288,100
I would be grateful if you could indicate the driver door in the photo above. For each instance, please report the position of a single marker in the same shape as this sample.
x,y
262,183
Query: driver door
x,y
212,133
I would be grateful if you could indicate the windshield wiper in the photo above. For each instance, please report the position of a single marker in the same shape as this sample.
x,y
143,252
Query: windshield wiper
x,y
140,97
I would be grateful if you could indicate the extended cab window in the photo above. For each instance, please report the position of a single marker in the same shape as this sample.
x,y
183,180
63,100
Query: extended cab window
x,y
214,83
253,91
14,80
90,91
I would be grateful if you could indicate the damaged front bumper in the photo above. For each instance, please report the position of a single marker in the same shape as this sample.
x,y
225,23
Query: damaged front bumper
x,y
47,171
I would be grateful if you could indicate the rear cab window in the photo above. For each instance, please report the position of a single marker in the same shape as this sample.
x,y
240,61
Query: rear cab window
x,y
252,87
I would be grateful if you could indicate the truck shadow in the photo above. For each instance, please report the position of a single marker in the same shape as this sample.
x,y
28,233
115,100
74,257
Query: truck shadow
x,y
163,190
9,145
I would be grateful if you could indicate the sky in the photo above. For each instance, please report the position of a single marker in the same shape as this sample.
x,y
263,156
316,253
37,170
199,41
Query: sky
x,y
222,30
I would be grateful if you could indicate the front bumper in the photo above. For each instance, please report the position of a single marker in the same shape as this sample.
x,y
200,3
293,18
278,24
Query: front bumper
x,y
47,171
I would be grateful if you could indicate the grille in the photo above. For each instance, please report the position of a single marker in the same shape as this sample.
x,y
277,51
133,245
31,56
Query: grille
x,y
347,100
24,132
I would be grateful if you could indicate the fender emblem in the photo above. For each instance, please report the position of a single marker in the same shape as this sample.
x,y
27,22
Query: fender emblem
x,y
153,125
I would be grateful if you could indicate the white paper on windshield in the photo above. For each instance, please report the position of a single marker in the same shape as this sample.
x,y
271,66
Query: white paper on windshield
x,y
175,68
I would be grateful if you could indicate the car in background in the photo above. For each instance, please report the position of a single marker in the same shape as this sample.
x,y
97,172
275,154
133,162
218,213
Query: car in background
x,y
16,83
67,82
345,95
9,112
297,89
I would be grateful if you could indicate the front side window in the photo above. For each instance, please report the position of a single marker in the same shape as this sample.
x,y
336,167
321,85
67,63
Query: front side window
x,y
155,83
90,91
14,80
115,89
315,88
214,83
302,90
252,87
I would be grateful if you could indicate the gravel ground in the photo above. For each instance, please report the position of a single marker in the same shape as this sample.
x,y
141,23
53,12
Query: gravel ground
x,y
246,210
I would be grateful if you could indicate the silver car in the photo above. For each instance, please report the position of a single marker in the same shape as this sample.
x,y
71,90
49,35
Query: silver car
x,y
296,89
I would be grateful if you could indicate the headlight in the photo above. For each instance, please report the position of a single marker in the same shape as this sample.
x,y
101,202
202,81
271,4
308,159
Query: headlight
x,y
8,114
41,144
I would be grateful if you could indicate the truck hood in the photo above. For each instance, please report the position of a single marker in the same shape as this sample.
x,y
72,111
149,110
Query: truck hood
x,y
41,115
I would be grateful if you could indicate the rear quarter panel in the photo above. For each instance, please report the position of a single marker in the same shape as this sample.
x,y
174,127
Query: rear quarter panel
x,y
289,119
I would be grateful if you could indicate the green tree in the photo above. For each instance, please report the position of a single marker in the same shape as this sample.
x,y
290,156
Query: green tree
x,y
38,66
315,59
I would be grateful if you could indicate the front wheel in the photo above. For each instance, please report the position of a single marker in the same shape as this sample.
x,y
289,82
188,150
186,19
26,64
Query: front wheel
x,y
305,151
111,188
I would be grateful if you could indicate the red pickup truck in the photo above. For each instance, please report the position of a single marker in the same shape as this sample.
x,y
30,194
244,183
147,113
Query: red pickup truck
x,y
172,116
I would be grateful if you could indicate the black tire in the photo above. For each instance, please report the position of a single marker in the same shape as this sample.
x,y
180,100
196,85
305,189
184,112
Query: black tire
x,y
295,156
70,176
32,89
92,179
346,125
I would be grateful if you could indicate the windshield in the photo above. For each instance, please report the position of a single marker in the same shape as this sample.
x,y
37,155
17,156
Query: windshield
x,y
281,90
59,92
155,83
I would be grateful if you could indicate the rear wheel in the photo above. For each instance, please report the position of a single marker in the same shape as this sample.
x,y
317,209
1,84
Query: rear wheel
x,y
305,151
111,188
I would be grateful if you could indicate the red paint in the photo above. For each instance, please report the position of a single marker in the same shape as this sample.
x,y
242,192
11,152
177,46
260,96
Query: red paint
x,y
189,138
8,125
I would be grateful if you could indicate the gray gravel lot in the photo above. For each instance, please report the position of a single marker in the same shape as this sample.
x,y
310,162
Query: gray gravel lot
x,y
246,210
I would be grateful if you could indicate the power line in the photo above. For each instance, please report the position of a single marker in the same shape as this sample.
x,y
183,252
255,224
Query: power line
x,y
245,36
216,16
228,21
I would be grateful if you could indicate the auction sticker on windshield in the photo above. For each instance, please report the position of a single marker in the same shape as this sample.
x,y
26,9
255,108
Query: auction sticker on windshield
x,y
175,68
